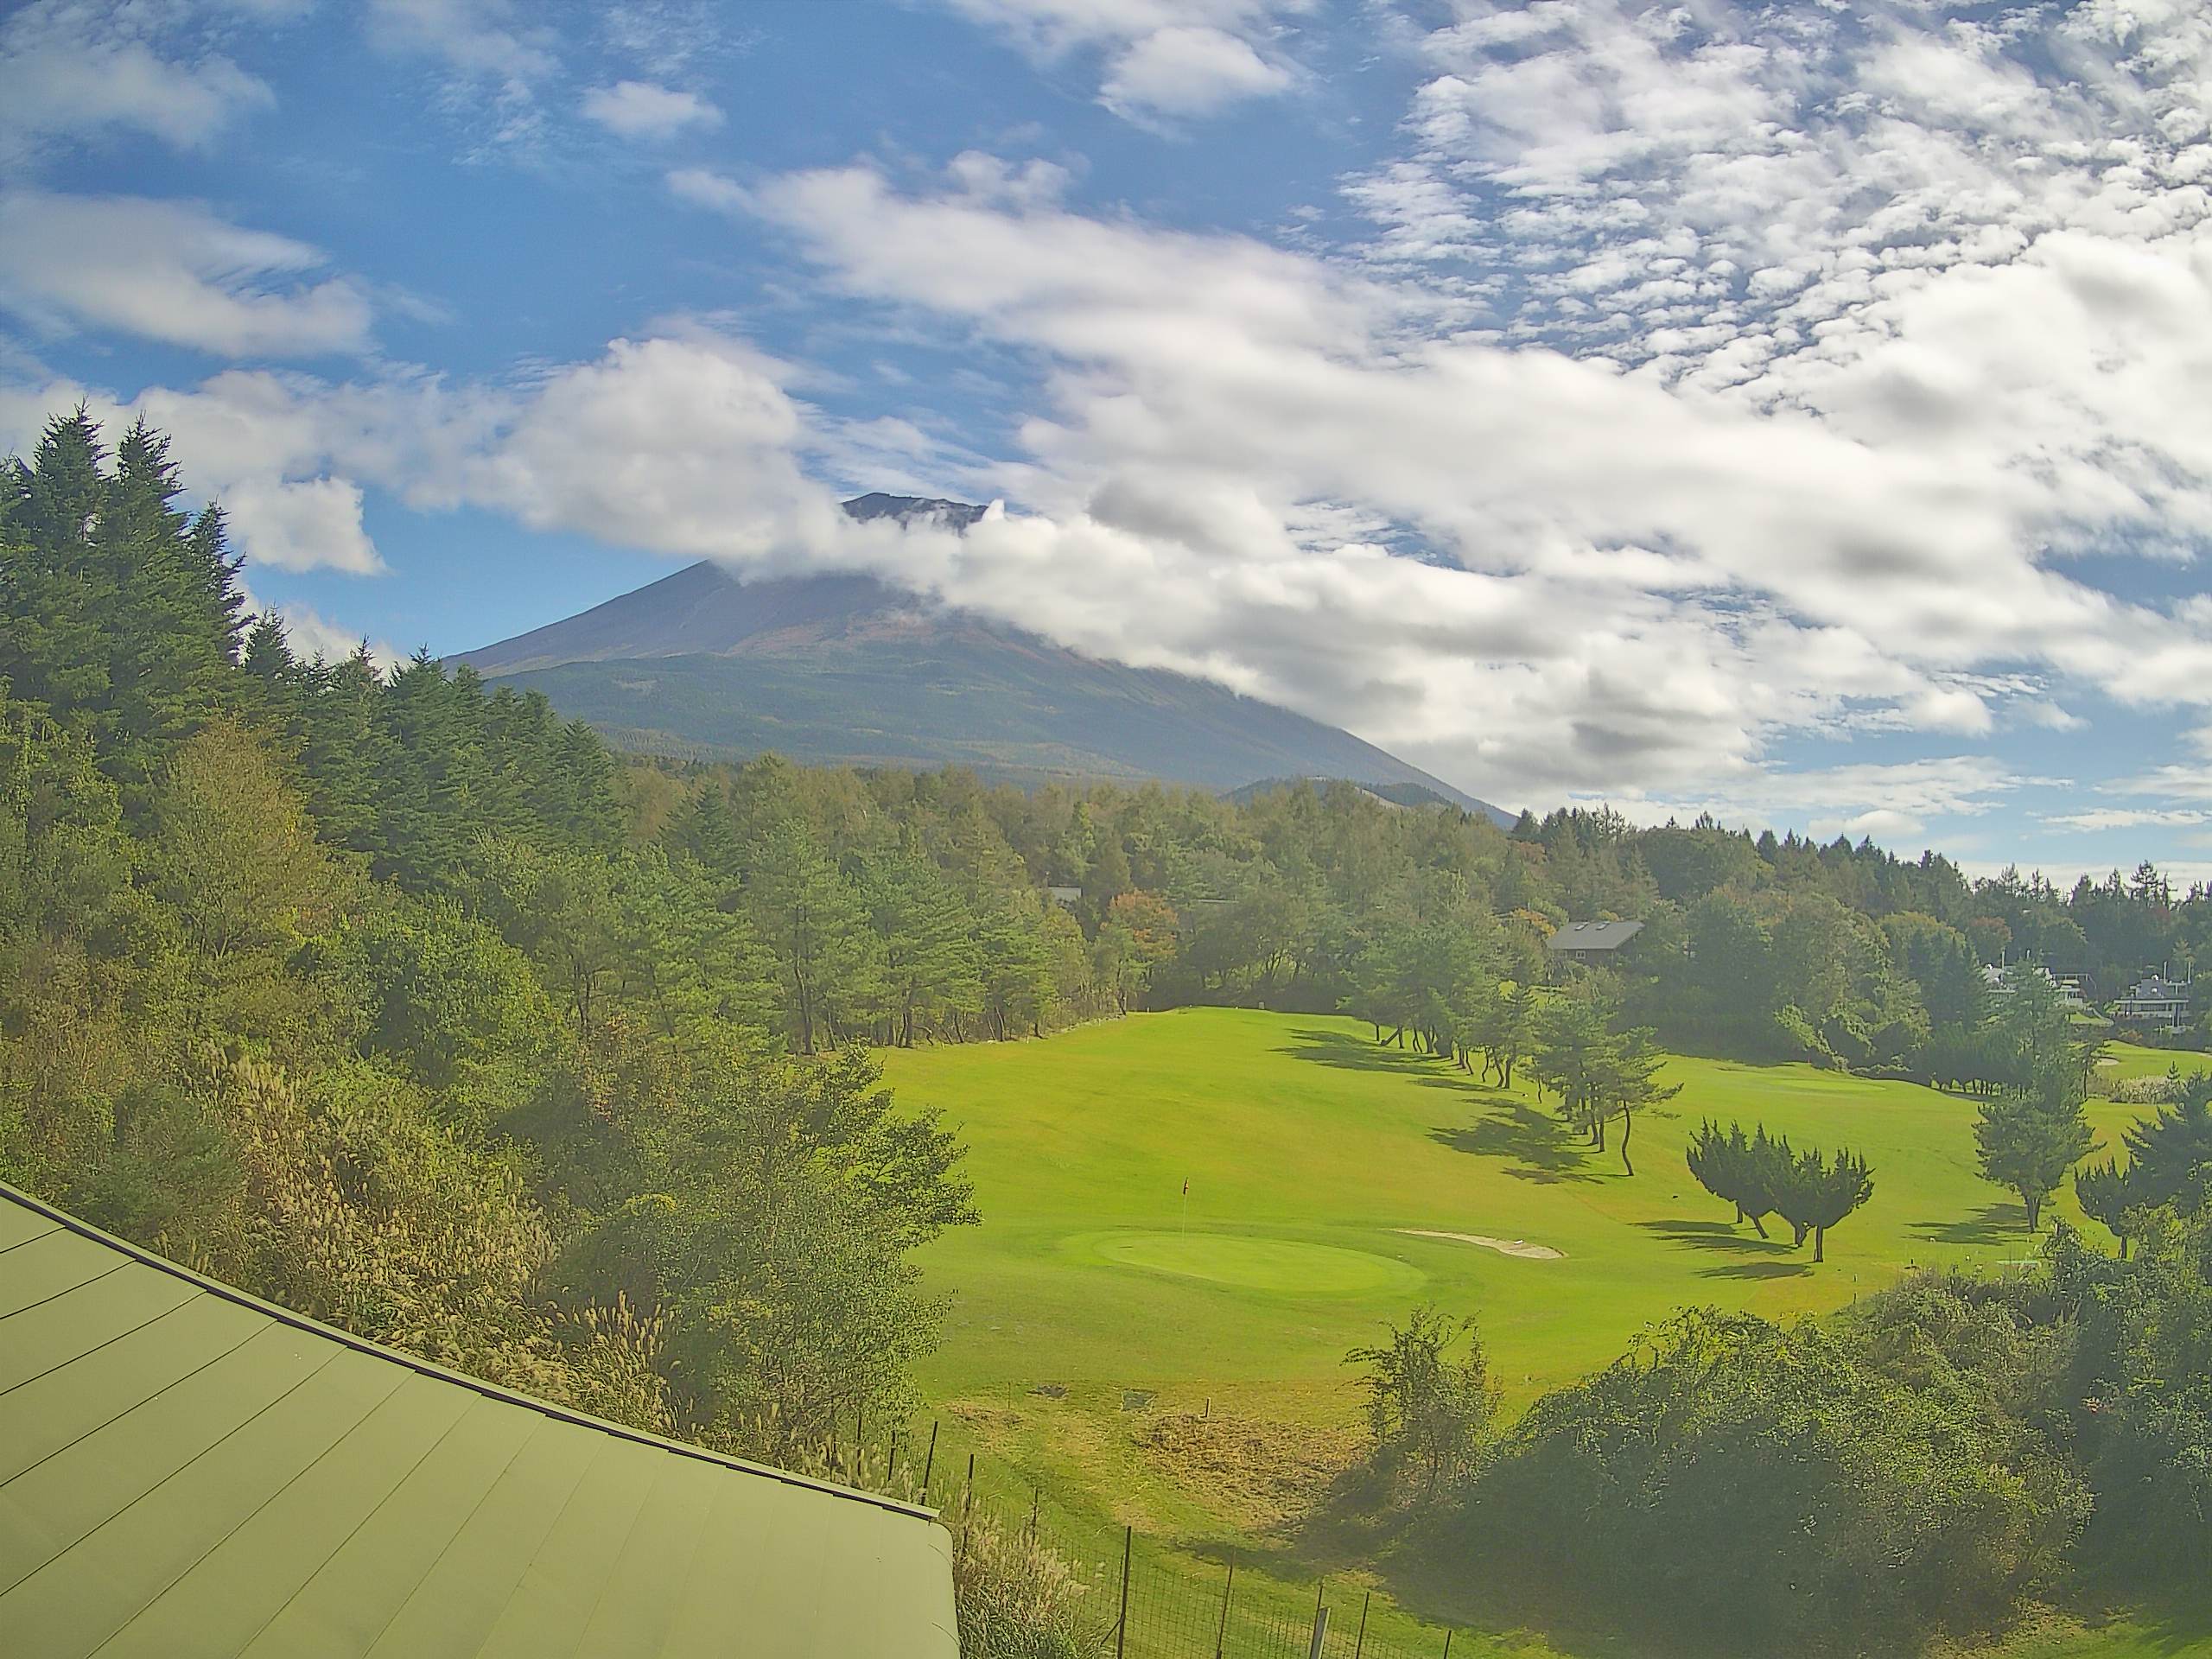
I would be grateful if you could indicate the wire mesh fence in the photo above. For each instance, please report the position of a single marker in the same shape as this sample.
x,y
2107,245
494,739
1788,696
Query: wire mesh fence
x,y
1139,1599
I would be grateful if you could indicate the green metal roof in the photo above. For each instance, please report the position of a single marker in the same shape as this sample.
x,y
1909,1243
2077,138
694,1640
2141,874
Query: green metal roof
x,y
188,1471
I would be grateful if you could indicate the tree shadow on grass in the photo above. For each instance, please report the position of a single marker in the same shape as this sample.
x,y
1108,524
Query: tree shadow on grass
x,y
1352,1053
1717,1235
1539,1146
1993,1224
1761,1269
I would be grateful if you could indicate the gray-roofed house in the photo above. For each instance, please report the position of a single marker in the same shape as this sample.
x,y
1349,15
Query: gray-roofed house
x,y
1592,943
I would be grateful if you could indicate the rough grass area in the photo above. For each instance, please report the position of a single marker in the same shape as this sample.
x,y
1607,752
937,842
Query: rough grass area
x,y
1314,1158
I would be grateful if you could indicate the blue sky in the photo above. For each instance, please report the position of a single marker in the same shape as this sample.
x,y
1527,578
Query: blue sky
x,y
1796,412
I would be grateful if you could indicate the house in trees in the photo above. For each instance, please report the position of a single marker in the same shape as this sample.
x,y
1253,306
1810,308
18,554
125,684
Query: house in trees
x,y
1593,944
188,1470
2002,981
2155,1002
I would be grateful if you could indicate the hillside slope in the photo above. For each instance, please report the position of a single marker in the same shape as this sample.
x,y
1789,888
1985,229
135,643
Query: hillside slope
x,y
845,670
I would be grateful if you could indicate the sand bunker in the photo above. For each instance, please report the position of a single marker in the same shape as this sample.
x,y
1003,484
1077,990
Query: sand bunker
x,y
1519,1247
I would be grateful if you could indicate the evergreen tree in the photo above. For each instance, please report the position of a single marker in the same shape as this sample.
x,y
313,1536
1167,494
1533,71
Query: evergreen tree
x,y
816,930
2027,1141
2111,1193
2173,1153
932,966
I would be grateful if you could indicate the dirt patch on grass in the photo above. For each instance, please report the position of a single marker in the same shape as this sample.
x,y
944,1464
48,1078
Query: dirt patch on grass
x,y
1250,1471
1520,1247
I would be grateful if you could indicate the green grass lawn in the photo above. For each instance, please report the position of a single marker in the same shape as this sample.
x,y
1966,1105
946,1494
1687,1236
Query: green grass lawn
x,y
1312,1157
2134,1060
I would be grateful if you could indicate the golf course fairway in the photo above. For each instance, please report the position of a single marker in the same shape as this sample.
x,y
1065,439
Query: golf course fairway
x,y
1210,1207
1283,1265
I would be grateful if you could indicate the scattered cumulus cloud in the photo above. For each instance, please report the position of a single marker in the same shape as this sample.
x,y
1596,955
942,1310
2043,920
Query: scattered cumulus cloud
x,y
1693,379
1171,59
1188,71
639,109
1641,580
301,524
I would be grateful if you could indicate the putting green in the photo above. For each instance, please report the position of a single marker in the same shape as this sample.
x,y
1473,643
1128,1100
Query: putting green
x,y
1247,1263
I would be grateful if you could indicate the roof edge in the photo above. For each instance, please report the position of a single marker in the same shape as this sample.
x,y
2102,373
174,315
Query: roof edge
x,y
299,1321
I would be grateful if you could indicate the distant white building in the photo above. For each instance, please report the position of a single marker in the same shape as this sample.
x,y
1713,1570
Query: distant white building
x,y
2001,981
2157,1002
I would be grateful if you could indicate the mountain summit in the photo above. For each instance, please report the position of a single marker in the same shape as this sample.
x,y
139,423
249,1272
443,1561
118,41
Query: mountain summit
x,y
848,670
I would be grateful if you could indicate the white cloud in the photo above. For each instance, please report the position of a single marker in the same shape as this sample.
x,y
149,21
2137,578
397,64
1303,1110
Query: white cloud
x,y
260,444
313,638
489,39
638,109
678,445
173,272
71,69
1157,58
703,188
1655,580
685,444
1188,71
2127,817
496,56
301,524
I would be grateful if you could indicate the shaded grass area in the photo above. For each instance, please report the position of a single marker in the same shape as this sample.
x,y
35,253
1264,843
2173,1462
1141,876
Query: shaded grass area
x,y
1297,1130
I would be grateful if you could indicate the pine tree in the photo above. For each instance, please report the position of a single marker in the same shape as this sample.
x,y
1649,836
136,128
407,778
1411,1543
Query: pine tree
x,y
814,926
2027,1141
2173,1153
2109,1192
930,959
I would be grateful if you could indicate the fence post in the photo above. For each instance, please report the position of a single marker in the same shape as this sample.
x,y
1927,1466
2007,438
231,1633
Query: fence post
x,y
1121,1623
1221,1635
1032,1514
1321,1622
1359,1643
968,1492
931,1463
1447,1642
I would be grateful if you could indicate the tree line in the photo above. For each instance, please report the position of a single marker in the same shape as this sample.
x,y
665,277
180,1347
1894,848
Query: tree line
x,y
360,989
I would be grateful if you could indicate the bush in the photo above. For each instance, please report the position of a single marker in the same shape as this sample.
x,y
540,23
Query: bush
x,y
1768,1487
2141,1386
1430,1414
2163,1089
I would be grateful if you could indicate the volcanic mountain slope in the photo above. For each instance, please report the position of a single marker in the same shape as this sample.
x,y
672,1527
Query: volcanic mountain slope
x,y
848,671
